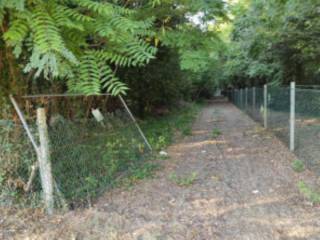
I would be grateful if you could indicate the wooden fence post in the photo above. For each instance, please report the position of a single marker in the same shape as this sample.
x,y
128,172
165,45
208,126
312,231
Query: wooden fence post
x,y
44,161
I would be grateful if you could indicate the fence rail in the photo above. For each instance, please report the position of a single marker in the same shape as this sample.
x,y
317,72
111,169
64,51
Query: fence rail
x,y
291,113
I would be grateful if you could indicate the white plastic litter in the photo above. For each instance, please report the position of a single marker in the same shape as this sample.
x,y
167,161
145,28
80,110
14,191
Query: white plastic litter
x,y
163,153
97,115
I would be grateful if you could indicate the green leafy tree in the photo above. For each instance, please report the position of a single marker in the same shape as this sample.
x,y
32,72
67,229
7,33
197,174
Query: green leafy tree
x,y
94,46
185,33
273,41
82,41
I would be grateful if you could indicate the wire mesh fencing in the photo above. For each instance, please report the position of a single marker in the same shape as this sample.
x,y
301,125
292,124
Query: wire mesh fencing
x,y
278,112
294,119
249,100
93,141
16,157
307,130
257,106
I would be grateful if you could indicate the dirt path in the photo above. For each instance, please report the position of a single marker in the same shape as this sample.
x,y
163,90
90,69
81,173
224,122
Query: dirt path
x,y
244,189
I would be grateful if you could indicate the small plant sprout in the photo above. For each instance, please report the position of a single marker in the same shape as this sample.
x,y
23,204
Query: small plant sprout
x,y
184,181
298,166
216,133
310,194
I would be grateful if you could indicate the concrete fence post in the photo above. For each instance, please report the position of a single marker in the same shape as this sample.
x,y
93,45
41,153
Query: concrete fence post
x,y
292,115
253,99
44,161
246,99
265,106
231,96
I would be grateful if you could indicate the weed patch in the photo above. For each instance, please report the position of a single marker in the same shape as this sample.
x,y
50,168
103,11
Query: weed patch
x,y
87,158
298,166
184,181
216,133
161,131
138,173
309,193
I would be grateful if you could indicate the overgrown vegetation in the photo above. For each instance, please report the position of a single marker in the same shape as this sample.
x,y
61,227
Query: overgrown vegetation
x,y
162,131
156,52
99,46
87,157
184,181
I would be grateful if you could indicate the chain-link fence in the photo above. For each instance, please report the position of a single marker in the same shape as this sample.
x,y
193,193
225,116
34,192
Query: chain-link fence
x,y
17,155
307,130
278,112
292,114
93,140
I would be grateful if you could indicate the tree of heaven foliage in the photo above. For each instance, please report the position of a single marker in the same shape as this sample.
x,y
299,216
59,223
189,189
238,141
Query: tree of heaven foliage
x,y
84,42
80,41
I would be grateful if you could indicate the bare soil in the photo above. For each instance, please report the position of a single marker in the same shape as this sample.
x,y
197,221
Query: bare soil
x,y
244,189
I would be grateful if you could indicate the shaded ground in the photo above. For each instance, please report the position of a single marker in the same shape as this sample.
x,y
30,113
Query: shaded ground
x,y
244,188
307,136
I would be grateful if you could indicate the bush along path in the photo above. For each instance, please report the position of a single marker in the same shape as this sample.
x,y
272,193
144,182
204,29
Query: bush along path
x,y
228,180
